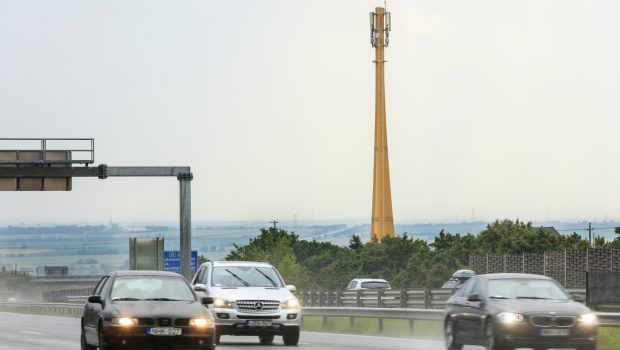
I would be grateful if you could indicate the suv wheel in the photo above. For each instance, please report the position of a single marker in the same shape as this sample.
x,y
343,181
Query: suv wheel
x,y
83,344
291,335
266,339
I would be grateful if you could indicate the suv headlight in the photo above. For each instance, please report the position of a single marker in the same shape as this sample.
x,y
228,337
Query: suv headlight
x,y
222,303
509,317
292,303
125,321
588,319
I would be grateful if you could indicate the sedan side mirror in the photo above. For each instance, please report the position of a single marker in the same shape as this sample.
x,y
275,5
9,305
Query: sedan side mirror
x,y
95,299
291,287
474,297
200,288
206,300
578,298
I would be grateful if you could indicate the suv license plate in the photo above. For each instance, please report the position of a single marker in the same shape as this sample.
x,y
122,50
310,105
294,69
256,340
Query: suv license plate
x,y
261,323
166,331
553,332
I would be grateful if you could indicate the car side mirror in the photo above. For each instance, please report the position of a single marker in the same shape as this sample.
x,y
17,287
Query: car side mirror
x,y
291,287
578,298
474,297
96,299
206,300
200,288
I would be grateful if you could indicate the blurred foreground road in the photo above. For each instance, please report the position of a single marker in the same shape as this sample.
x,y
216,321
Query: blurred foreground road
x,y
29,332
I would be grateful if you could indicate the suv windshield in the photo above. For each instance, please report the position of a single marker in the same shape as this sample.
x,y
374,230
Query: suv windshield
x,y
151,288
525,289
245,276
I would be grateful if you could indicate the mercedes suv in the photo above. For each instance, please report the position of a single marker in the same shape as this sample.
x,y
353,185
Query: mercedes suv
x,y
249,299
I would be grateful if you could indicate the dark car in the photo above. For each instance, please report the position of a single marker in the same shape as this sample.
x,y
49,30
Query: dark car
x,y
133,309
508,311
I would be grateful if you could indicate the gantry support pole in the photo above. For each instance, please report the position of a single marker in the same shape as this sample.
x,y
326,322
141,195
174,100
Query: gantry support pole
x,y
382,222
185,187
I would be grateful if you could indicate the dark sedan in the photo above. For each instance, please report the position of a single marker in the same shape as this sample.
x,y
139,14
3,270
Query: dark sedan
x,y
508,311
146,309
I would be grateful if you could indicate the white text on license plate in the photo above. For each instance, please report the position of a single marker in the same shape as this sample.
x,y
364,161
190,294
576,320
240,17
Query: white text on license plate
x,y
554,332
260,323
163,331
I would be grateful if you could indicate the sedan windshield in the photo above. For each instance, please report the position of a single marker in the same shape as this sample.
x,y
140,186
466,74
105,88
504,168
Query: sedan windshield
x,y
151,288
245,276
525,289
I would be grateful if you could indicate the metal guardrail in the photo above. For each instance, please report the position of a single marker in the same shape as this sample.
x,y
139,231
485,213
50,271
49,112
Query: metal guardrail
x,y
423,298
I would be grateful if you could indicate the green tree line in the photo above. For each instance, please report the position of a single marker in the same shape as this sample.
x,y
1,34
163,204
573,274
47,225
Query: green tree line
x,y
404,261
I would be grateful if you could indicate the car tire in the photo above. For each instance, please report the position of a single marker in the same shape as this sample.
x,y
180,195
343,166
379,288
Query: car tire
x,y
83,344
291,336
449,337
102,344
588,347
489,338
266,339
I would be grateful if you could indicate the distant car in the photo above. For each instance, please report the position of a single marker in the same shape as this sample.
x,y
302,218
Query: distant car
x,y
137,309
508,311
458,278
368,283
250,299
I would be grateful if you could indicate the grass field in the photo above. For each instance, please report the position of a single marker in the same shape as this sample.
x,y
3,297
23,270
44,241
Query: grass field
x,y
609,337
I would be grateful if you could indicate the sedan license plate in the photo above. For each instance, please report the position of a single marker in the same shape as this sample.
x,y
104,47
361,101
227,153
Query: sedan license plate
x,y
260,323
166,331
553,332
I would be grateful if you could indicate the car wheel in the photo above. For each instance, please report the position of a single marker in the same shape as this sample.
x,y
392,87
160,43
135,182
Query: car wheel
x,y
102,344
83,344
489,338
449,337
266,339
588,347
291,336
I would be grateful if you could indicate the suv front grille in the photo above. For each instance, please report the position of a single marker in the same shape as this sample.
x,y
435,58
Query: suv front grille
x,y
258,305
552,321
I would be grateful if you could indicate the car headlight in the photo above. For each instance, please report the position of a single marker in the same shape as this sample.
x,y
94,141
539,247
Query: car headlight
x,y
222,303
588,319
509,317
201,322
125,321
290,304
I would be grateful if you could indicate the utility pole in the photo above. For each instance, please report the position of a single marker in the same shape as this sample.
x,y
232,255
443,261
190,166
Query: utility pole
x,y
382,220
275,227
590,233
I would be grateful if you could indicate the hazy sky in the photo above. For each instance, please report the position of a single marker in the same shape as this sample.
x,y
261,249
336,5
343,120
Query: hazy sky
x,y
495,108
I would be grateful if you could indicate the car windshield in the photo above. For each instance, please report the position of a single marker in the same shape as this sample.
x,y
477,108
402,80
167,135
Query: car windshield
x,y
375,285
525,289
151,288
245,276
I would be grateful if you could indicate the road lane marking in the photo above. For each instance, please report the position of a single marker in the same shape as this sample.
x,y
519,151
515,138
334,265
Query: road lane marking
x,y
33,333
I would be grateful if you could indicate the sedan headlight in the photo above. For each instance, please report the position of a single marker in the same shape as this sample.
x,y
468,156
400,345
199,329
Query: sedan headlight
x,y
509,317
222,303
125,321
588,319
290,304
201,322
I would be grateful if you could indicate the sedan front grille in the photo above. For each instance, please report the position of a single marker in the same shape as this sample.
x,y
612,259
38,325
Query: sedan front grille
x,y
552,321
258,305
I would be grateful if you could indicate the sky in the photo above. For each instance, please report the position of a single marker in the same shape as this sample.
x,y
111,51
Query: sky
x,y
496,109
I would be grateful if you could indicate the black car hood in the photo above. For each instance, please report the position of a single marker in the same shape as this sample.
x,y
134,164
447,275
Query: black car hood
x,y
156,309
533,306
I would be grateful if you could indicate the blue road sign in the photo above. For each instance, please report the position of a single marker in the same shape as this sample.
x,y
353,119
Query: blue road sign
x,y
172,261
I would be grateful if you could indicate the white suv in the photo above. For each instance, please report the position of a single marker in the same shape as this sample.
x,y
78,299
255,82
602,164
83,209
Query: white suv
x,y
250,298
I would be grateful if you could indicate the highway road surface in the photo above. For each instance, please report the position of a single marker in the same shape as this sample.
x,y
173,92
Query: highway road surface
x,y
29,332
